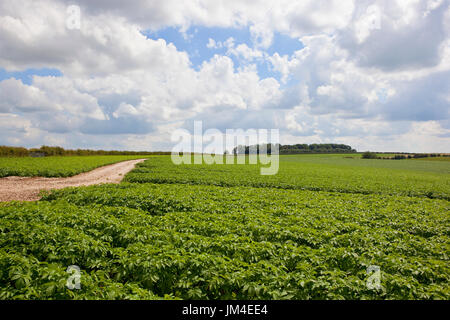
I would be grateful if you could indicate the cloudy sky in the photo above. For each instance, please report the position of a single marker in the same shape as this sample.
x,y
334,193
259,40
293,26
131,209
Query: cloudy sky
x,y
126,74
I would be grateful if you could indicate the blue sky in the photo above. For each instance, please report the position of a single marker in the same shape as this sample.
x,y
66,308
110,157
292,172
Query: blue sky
x,y
26,76
195,39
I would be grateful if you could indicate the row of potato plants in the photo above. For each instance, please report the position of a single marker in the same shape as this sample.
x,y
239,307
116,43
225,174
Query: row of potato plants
x,y
184,241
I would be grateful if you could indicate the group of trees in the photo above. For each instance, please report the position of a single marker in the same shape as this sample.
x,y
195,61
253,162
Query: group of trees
x,y
255,149
316,148
6,151
296,148
13,151
369,155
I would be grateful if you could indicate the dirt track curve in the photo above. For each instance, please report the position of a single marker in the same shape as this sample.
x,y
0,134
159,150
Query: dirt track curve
x,y
27,188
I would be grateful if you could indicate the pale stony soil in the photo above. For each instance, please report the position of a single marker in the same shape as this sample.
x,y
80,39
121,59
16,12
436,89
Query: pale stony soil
x,y
28,188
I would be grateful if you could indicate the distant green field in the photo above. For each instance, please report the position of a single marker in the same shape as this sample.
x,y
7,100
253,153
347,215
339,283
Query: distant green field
x,y
226,232
56,166
311,172
345,160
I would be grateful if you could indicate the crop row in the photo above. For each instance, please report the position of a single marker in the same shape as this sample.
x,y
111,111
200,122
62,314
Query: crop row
x,y
196,241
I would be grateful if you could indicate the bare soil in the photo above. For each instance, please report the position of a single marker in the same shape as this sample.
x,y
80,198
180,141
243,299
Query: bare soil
x,y
28,188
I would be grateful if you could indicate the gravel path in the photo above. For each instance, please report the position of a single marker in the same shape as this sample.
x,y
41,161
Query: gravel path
x,y
27,188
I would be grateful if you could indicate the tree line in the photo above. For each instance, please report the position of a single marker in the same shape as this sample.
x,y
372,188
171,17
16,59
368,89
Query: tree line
x,y
7,151
295,148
